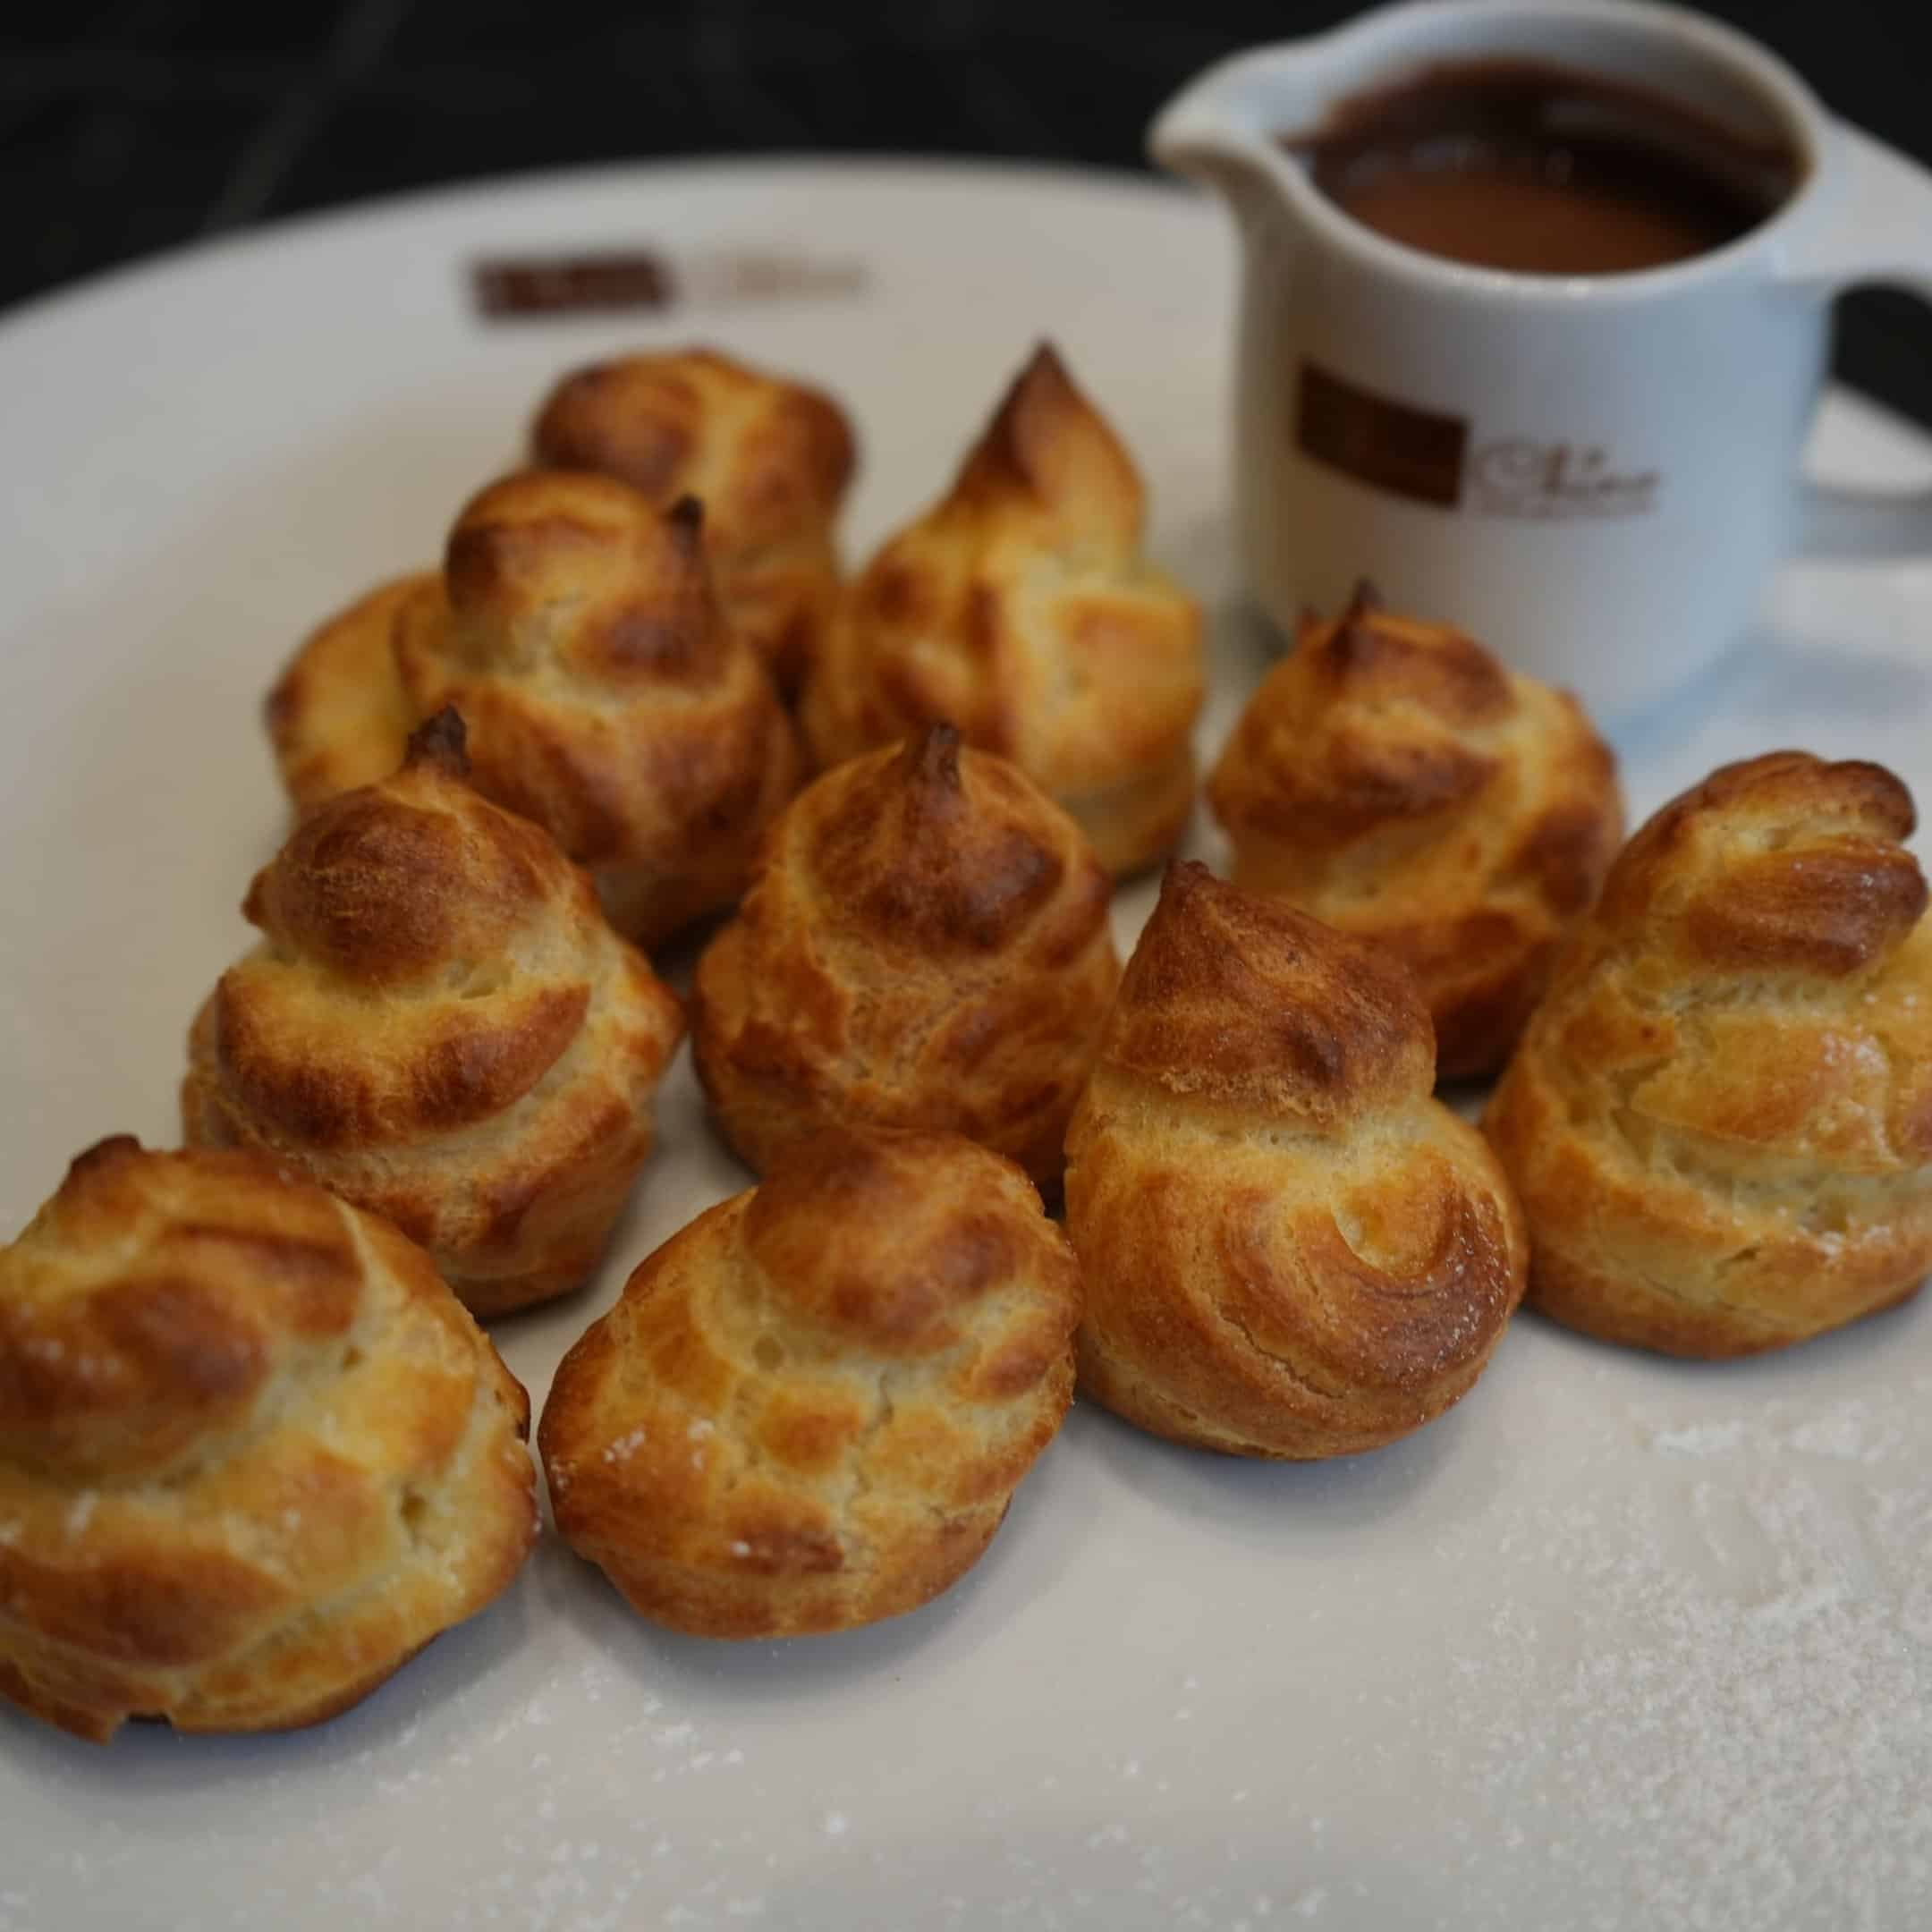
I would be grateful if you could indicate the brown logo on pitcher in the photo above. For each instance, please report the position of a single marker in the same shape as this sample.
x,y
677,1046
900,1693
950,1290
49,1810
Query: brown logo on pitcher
x,y
1429,456
1379,440
1519,476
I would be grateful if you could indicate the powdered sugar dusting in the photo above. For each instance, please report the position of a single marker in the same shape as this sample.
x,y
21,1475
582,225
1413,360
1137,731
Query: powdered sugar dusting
x,y
1699,1440
1748,1714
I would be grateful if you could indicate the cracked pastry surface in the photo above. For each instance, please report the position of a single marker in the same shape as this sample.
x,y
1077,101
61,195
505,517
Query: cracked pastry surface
x,y
1290,1248
769,459
575,629
253,1453
926,944
1720,1120
438,1025
810,1408
1395,780
1021,610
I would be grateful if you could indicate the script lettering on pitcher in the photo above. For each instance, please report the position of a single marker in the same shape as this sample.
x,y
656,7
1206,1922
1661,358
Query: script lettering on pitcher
x,y
1519,476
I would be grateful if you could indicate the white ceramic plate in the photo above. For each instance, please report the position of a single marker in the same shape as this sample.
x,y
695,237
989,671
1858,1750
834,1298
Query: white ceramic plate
x,y
1619,1642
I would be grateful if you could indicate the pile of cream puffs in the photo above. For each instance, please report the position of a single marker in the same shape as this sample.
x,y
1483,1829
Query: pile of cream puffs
x,y
255,1450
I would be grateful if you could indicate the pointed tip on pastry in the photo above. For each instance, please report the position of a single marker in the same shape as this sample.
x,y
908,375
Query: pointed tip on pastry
x,y
1184,903
1207,913
1045,368
1439,669
103,1153
685,522
1191,895
1237,993
1186,879
1043,386
1350,640
933,757
1042,422
440,741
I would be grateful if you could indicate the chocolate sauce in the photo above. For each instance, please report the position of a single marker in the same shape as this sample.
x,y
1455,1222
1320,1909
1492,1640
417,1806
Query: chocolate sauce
x,y
1542,169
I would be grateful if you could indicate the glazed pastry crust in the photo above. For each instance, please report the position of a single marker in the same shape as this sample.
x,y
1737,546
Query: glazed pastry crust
x,y
1393,779
1019,610
926,944
769,459
338,717
576,631
253,1454
1720,1120
810,1408
438,1025
1289,1248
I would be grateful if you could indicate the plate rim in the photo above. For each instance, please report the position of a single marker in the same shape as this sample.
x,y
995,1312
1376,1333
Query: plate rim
x,y
320,225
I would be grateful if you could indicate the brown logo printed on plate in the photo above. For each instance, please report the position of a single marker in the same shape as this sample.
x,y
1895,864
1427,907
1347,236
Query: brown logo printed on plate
x,y
562,284
518,288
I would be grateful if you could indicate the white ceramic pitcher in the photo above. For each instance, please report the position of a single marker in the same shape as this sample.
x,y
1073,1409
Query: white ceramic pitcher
x,y
1592,474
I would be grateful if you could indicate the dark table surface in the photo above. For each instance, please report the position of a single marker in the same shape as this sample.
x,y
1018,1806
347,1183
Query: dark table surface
x,y
132,127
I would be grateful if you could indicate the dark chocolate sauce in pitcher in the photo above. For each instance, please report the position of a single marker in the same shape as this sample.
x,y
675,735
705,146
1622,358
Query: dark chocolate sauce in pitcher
x,y
1545,170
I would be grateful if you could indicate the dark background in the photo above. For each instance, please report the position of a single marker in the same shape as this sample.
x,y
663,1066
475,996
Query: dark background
x,y
131,127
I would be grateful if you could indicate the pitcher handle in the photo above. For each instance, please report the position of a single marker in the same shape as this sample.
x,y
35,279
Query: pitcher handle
x,y
1892,245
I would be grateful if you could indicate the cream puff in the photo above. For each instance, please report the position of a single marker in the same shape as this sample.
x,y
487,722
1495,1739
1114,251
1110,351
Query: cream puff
x,y
1290,1248
1395,780
1720,1120
809,1408
925,944
770,458
253,1454
1022,610
438,1025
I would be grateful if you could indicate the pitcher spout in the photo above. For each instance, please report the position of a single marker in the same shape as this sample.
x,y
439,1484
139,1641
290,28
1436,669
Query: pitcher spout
x,y
1223,129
